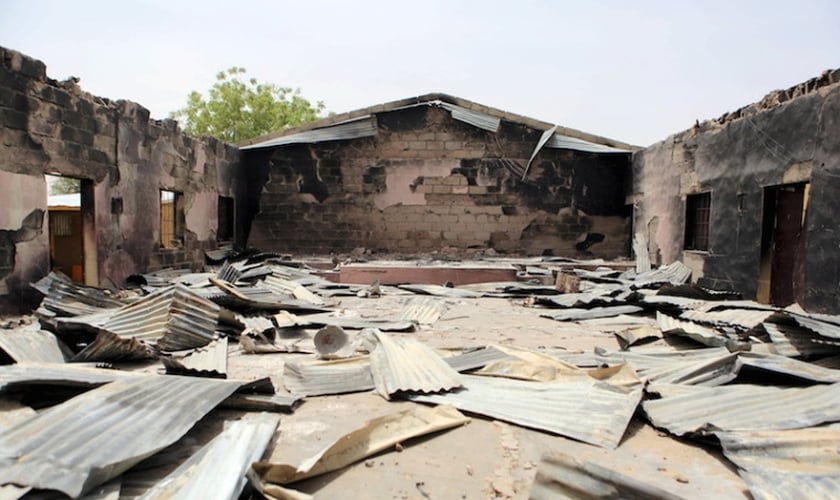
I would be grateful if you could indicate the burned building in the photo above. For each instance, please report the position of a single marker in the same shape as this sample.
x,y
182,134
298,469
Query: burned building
x,y
437,171
750,200
151,197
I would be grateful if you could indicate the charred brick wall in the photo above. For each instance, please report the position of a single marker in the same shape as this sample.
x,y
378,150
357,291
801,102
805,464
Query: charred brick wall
x,y
51,127
426,181
791,136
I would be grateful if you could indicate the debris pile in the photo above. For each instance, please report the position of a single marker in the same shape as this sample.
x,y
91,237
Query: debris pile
x,y
172,388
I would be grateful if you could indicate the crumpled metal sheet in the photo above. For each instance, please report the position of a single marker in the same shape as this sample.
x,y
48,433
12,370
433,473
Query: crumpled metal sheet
x,y
354,323
422,310
109,346
745,319
563,476
31,344
58,374
675,273
476,358
442,291
406,365
687,409
375,436
174,318
795,341
292,289
595,312
318,378
208,361
699,333
788,366
584,409
67,298
218,469
794,463
707,367
96,436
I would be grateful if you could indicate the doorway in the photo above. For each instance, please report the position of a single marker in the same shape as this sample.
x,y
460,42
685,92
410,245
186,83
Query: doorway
x,y
71,230
782,271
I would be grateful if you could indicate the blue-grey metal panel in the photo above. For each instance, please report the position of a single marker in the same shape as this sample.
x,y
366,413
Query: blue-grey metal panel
x,y
586,410
356,129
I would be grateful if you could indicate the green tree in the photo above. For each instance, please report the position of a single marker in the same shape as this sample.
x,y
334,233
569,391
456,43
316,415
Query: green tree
x,y
237,109
65,185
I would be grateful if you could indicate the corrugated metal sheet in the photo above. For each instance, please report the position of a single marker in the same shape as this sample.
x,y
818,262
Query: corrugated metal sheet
x,y
218,469
595,312
475,118
816,325
406,365
208,361
31,344
422,310
708,367
65,297
328,377
355,323
742,318
797,463
675,273
361,127
58,374
476,359
704,335
111,347
586,410
442,291
174,319
788,366
559,141
257,297
293,289
790,340
89,439
563,476
261,402
685,409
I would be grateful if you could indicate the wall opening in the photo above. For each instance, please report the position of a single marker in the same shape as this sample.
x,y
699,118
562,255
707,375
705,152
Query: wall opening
x,y
225,218
72,236
171,219
697,212
781,273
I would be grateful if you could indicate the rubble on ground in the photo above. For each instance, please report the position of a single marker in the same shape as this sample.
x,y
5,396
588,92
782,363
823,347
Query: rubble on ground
x,y
261,373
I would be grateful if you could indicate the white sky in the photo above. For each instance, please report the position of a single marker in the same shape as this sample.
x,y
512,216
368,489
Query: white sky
x,y
635,71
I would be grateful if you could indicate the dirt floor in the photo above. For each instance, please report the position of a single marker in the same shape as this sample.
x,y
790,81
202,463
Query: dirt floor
x,y
486,458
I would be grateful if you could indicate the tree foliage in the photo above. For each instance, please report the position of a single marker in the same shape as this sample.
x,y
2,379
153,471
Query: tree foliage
x,y
65,185
237,108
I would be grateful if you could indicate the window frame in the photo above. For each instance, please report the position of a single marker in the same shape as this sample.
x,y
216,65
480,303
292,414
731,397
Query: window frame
x,y
698,210
170,230
227,206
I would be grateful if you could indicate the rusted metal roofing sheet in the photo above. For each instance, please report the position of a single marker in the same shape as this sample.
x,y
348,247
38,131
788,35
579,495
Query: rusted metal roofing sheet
x,y
328,377
687,409
406,365
218,469
704,335
563,476
422,310
364,126
792,340
173,318
111,347
794,463
595,312
208,361
31,344
589,411
91,438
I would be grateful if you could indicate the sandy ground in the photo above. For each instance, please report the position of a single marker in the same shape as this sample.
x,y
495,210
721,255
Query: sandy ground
x,y
485,458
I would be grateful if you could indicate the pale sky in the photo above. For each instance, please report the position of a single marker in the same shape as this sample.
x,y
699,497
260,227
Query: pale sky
x,y
635,71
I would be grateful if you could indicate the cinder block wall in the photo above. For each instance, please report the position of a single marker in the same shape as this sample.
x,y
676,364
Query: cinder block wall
x,y
791,136
51,127
427,181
